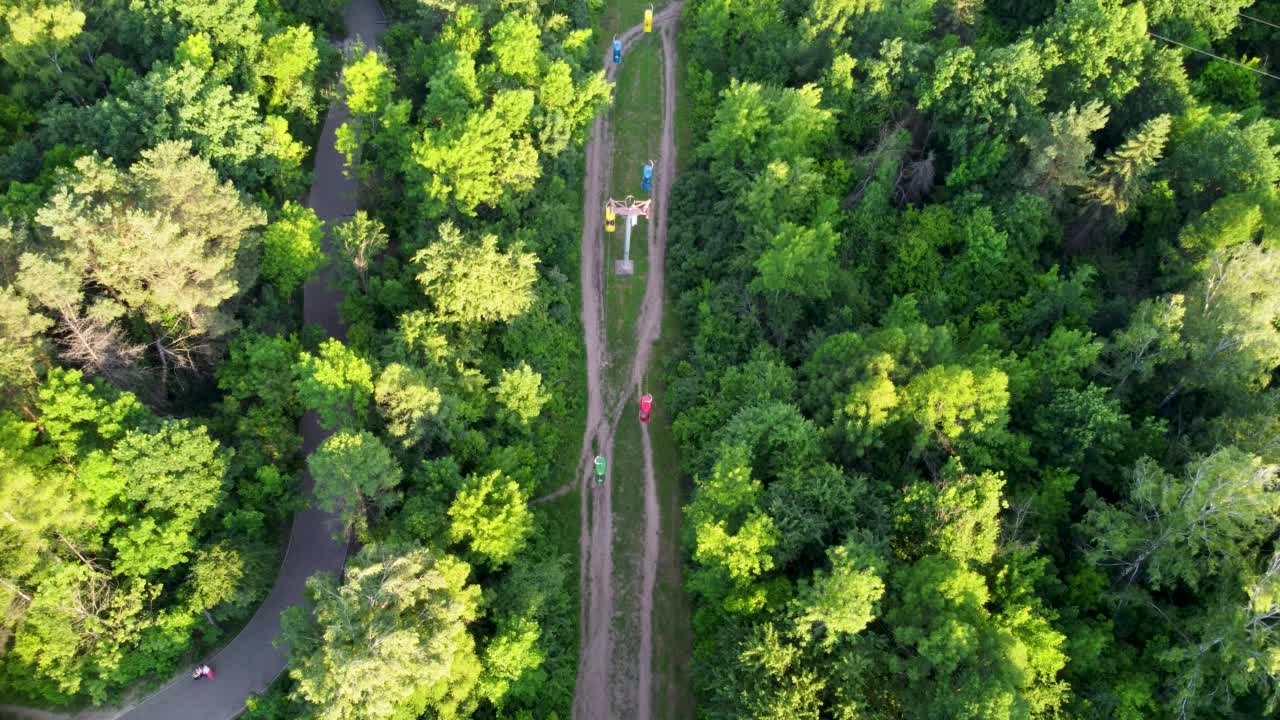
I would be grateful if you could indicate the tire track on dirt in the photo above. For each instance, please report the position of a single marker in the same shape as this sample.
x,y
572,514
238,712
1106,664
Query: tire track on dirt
x,y
649,331
592,697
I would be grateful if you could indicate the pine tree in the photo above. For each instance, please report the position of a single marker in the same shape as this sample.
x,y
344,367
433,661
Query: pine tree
x,y
154,254
388,641
1118,180
1057,153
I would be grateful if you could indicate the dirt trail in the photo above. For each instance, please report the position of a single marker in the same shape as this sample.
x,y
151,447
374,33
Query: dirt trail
x,y
590,697
593,699
649,329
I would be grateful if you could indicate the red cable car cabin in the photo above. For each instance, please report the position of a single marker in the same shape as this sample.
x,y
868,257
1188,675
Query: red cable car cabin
x,y
646,406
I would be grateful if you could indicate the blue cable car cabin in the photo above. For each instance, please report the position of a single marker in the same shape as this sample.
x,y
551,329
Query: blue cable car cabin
x,y
646,177
617,51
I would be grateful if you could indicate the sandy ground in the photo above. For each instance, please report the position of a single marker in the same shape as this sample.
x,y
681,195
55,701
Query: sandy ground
x,y
594,699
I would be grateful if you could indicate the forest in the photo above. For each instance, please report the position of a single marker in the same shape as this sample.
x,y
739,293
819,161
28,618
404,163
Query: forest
x,y
155,157
151,249
981,304
974,390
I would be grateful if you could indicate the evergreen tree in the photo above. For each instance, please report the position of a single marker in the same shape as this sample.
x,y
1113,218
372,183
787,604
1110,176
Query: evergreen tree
x,y
1119,178
388,641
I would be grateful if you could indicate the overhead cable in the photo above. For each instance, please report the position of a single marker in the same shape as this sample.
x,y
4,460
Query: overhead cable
x,y
1260,20
1217,57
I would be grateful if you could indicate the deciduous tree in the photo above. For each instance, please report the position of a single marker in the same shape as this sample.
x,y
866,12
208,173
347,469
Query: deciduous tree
x,y
799,261
360,240
843,600
1095,48
732,537
521,393
159,485
1230,332
490,514
39,37
512,660
354,474
291,247
286,72
407,401
955,517
1186,528
977,93
1213,153
337,383
478,161
476,283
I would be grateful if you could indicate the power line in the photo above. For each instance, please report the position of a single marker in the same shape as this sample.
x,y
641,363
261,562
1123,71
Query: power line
x,y
1217,57
1264,22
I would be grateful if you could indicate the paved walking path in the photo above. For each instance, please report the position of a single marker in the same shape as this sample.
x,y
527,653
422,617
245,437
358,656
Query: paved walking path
x,y
250,662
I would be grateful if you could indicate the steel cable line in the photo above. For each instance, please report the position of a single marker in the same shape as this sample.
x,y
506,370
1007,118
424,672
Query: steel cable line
x,y
1217,57
1259,20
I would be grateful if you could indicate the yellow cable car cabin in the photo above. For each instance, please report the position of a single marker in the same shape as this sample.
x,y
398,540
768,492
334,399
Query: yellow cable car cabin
x,y
609,217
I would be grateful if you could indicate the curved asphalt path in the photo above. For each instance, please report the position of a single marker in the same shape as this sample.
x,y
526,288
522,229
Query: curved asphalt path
x,y
251,662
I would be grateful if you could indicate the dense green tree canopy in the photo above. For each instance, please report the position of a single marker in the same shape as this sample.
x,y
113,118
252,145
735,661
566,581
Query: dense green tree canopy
x,y
354,474
103,501
508,92
490,514
154,366
389,641
985,344
974,389
471,282
337,383
97,278
521,394
291,247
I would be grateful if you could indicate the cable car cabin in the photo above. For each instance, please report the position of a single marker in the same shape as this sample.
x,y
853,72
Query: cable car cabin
x,y
617,51
646,178
646,407
609,217
600,469
648,19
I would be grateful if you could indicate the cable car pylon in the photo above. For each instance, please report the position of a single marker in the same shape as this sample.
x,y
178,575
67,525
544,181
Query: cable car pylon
x,y
630,210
